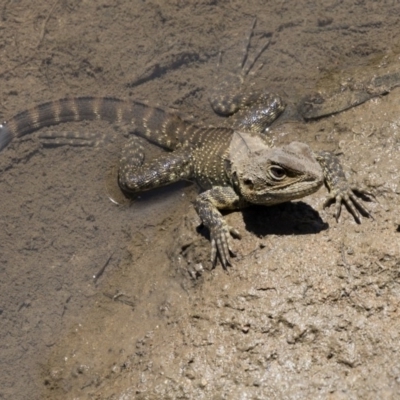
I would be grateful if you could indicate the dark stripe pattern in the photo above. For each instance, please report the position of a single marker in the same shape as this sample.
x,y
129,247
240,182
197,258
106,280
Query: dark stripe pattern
x,y
153,123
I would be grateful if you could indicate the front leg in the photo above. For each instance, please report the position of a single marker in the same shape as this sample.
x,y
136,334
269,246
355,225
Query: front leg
x,y
340,189
207,205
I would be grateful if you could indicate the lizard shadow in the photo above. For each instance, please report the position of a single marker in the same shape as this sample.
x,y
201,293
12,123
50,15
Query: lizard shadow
x,y
291,218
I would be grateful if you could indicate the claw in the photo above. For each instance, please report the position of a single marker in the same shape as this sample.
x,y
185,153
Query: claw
x,y
340,189
349,197
235,233
207,206
221,247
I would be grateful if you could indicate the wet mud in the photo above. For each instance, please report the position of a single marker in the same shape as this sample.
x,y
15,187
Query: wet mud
x,y
100,301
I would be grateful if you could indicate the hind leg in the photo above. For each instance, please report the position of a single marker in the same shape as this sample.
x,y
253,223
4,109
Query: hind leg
x,y
254,111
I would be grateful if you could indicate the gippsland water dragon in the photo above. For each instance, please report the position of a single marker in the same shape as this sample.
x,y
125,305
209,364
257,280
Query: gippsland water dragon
x,y
235,167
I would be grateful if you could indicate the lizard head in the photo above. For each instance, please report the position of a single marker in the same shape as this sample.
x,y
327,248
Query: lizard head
x,y
274,175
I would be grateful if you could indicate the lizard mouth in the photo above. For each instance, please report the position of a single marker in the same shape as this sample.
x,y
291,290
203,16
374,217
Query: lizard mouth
x,y
277,195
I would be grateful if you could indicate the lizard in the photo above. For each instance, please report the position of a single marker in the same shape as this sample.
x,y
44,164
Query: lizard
x,y
235,166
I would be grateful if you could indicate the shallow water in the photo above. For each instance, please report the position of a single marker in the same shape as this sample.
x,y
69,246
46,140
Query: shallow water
x,y
309,309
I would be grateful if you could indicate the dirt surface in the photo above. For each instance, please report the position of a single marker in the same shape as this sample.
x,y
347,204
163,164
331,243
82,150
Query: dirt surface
x,y
99,301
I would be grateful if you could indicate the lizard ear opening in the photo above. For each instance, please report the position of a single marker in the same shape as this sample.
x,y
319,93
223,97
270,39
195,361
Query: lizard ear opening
x,y
235,181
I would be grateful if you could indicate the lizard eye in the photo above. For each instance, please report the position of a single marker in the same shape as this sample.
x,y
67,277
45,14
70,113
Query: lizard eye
x,y
277,172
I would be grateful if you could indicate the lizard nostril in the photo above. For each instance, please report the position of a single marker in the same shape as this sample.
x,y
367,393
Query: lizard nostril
x,y
248,182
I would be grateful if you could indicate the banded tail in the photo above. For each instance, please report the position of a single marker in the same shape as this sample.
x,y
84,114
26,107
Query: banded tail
x,y
156,125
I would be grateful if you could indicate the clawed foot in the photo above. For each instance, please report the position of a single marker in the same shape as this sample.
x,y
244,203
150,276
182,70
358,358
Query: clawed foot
x,y
340,190
350,197
221,245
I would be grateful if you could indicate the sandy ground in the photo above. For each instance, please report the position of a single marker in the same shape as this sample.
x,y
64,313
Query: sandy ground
x,y
99,301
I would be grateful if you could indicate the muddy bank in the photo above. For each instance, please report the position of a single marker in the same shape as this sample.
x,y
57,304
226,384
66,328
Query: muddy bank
x,y
99,301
